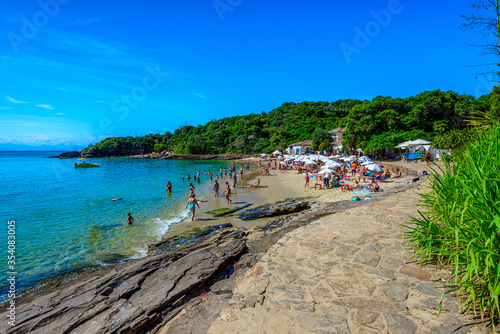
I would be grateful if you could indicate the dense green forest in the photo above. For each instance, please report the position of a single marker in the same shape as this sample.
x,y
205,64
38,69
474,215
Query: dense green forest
x,y
371,125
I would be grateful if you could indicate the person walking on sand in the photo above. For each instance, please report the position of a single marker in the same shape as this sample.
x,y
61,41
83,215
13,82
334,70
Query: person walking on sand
x,y
130,219
216,189
227,193
191,189
428,157
235,180
191,204
307,181
169,187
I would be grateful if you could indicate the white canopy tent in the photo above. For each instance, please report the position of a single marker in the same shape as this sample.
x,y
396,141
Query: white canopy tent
x,y
277,152
418,142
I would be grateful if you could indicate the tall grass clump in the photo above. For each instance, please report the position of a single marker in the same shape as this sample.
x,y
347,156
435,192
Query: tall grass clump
x,y
459,225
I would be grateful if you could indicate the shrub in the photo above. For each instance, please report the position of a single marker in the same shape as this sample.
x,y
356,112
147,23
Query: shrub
x,y
460,224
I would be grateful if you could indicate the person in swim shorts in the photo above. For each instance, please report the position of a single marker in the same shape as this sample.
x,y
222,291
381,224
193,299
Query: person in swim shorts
x,y
191,205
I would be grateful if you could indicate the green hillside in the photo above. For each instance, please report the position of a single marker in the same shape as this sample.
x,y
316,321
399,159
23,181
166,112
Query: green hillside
x,y
371,125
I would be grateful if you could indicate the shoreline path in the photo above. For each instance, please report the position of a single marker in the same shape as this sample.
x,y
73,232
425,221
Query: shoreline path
x,y
346,273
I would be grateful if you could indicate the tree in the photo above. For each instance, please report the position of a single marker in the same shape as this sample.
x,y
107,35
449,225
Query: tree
x,y
485,22
318,136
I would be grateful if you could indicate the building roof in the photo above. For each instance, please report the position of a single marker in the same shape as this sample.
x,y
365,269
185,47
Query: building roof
x,y
336,130
302,143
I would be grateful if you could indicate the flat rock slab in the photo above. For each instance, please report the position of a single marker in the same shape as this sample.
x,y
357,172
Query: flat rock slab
x,y
345,273
133,300
287,206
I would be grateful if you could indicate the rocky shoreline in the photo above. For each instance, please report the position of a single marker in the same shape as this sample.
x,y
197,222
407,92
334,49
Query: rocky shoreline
x,y
143,295
163,155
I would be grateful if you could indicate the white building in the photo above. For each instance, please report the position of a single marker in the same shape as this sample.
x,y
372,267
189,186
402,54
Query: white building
x,y
299,147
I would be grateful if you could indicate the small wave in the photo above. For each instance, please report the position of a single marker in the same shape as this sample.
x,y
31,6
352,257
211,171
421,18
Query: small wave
x,y
165,223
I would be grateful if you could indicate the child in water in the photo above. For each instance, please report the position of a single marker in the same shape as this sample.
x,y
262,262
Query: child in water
x,y
129,219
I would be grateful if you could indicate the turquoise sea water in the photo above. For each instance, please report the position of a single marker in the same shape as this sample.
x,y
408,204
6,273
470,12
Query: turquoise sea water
x,y
65,220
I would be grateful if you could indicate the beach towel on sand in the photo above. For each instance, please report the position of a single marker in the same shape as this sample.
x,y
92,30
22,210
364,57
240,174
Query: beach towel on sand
x,y
361,191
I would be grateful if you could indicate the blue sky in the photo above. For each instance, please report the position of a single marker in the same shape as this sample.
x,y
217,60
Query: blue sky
x,y
76,71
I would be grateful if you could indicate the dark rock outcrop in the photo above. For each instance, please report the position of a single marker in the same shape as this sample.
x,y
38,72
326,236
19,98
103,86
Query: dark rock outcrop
x,y
290,205
69,154
137,299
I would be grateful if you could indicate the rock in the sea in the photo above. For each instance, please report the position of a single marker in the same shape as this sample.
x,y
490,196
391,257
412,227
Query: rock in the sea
x,y
136,300
290,205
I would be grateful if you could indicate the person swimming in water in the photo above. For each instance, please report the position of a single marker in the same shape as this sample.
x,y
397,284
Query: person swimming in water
x,y
191,204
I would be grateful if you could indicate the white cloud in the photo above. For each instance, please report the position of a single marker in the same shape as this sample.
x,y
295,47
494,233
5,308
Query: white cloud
x,y
37,140
11,100
61,114
200,96
46,106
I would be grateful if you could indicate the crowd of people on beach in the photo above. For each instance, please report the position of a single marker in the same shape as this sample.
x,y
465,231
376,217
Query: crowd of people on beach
x,y
332,173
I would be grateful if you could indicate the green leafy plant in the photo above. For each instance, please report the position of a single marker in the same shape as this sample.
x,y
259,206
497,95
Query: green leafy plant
x,y
459,225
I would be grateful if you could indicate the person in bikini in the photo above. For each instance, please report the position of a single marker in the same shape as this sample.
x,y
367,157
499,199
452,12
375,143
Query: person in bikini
x,y
191,205
227,193
169,187
191,189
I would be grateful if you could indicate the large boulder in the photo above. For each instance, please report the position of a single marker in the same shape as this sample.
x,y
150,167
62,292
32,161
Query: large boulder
x,y
290,205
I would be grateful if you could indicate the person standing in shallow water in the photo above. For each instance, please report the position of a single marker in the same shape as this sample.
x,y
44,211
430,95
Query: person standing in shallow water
x,y
216,189
227,193
130,219
169,187
191,189
191,204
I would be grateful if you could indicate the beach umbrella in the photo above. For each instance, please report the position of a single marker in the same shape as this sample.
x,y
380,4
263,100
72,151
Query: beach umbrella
x,y
332,164
283,163
366,163
277,152
326,171
348,159
374,167
364,159
336,156
263,154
